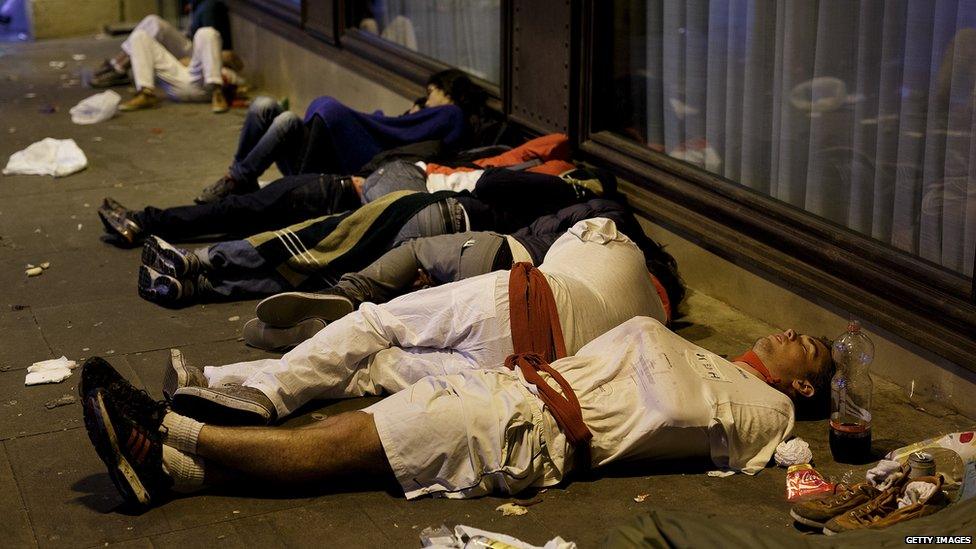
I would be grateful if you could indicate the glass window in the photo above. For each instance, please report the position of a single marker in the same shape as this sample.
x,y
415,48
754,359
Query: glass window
x,y
860,112
461,33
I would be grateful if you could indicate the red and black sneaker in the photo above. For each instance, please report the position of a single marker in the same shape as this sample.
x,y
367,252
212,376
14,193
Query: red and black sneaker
x,y
124,426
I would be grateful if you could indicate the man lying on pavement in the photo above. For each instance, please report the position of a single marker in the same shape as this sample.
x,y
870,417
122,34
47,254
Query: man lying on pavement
x,y
286,319
638,392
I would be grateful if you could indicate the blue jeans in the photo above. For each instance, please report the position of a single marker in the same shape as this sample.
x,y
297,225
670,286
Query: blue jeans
x,y
270,135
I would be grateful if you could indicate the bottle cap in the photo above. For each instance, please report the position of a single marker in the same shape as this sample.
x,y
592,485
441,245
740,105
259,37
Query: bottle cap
x,y
854,326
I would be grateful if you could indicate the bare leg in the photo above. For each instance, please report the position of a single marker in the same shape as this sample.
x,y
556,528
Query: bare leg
x,y
340,447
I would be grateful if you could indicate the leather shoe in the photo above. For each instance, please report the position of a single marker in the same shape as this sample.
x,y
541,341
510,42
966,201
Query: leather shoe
x,y
120,222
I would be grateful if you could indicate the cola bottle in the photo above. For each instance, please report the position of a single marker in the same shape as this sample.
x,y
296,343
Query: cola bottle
x,y
850,396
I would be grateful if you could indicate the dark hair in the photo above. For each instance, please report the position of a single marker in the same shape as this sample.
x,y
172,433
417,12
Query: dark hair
x,y
818,406
461,90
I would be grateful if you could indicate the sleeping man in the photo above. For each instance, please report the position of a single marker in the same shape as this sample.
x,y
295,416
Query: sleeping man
x,y
498,383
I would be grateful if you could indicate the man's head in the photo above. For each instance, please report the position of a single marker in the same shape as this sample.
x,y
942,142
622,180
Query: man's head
x,y
454,87
803,365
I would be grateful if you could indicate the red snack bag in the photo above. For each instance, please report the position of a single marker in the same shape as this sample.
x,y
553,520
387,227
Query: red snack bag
x,y
803,481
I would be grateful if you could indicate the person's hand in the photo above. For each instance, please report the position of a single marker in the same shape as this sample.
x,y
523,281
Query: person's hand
x,y
357,185
414,108
422,281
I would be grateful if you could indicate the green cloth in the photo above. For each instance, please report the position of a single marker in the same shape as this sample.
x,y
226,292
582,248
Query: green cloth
x,y
329,246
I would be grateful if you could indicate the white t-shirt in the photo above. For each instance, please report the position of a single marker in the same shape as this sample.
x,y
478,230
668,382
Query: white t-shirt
x,y
647,393
599,279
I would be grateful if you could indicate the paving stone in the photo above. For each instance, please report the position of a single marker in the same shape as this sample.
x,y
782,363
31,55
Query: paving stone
x,y
22,408
70,498
23,342
326,523
15,528
128,324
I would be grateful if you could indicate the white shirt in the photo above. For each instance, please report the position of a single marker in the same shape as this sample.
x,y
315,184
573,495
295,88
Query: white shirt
x,y
599,279
647,393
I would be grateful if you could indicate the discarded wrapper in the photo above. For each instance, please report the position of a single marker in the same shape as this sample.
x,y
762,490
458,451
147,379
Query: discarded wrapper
x,y
803,481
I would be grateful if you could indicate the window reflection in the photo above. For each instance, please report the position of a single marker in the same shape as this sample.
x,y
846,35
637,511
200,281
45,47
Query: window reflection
x,y
461,33
860,112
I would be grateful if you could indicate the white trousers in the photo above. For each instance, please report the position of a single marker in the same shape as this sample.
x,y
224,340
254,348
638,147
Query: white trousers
x,y
155,48
448,329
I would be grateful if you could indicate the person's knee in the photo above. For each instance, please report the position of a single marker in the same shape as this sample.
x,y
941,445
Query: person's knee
x,y
139,35
264,106
150,22
327,107
287,121
206,35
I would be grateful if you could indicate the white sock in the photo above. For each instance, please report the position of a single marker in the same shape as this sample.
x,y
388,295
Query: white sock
x,y
181,432
186,470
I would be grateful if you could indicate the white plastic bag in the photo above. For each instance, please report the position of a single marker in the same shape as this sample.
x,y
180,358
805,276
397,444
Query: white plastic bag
x,y
49,156
97,108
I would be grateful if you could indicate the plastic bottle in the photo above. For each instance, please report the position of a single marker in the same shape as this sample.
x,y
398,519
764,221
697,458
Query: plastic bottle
x,y
850,396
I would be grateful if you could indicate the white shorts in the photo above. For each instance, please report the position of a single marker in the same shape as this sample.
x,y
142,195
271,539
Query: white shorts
x,y
466,435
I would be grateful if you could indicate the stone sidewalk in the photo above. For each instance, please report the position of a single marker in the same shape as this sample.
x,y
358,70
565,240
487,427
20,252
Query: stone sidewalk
x,y
54,491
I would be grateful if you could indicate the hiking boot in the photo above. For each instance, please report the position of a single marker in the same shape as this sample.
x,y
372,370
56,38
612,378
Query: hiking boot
x,y
218,103
230,404
180,374
120,222
817,512
270,338
289,308
167,290
145,99
167,259
125,433
109,79
223,187
886,510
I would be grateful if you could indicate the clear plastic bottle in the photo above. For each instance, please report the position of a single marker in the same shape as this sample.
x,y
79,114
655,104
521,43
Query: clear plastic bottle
x,y
850,396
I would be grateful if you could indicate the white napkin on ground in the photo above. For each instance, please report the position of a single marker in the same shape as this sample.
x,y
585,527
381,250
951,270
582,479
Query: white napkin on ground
x,y
55,370
96,108
49,156
793,452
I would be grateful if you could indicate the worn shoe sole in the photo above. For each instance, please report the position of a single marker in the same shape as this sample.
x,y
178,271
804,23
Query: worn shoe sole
x,y
102,434
209,406
289,308
270,338
178,375
806,521
156,288
162,257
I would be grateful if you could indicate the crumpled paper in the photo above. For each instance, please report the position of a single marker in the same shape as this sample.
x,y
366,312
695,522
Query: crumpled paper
x,y
49,156
883,475
55,370
442,538
915,492
96,108
511,509
793,452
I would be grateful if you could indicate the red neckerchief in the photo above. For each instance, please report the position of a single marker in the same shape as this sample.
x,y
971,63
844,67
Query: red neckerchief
x,y
752,359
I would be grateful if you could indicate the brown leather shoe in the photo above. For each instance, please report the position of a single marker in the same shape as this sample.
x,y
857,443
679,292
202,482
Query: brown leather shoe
x,y
145,99
218,103
883,511
817,512
223,187
120,222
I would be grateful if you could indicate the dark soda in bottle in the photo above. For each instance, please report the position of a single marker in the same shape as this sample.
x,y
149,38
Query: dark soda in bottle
x,y
850,397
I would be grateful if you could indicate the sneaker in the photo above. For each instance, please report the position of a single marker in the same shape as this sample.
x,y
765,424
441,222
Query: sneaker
x,y
223,187
109,79
164,289
270,338
144,99
180,374
289,308
126,436
120,222
218,103
884,510
230,404
817,512
167,259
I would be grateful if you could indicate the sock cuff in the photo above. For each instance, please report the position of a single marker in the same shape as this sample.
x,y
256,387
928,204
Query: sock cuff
x,y
187,471
181,432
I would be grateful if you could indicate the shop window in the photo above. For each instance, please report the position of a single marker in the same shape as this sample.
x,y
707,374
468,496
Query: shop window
x,y
857,112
